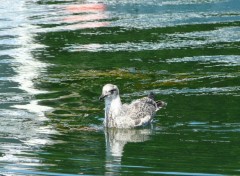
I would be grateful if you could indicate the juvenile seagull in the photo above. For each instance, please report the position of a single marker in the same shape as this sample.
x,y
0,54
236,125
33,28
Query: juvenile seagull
x,y
139,113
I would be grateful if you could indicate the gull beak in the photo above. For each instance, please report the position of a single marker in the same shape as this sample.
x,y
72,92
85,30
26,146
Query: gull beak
x,y
102,97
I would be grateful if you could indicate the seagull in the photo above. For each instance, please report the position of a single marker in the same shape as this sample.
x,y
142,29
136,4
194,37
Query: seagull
x,y
138,113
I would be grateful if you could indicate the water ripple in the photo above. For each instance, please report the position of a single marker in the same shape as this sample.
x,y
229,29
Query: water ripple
x,y
188,91
224,60
220,38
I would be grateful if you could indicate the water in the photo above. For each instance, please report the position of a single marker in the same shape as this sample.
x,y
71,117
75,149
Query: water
x,y
55,56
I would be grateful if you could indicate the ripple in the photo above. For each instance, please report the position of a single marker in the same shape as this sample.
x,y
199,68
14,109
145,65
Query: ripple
x,y
224,60
181,173
220,38
156,13
188,92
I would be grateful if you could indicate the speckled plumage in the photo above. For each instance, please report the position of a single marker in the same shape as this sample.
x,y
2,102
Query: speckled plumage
x,y
138,113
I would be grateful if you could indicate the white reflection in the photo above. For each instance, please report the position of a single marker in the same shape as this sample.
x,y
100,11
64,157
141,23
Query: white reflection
x,y
26,67
116,139
218,60
73,16
34,107
187,91
22,132
225,35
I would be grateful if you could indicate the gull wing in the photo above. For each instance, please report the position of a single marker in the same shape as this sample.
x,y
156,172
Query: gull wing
x,y
141,111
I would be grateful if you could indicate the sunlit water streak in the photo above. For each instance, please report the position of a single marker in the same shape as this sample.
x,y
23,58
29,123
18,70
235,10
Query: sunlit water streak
x,y
197,39
21,45
66,17
221,60
22,122
156,13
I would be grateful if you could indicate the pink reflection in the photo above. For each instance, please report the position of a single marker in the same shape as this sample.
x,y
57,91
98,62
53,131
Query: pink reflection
x,y
86,8
89,12
79,18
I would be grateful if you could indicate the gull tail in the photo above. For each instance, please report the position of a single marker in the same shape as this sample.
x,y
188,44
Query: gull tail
x,y
160,104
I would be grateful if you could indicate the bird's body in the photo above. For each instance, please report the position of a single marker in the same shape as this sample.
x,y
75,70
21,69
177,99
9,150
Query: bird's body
x,y
138,113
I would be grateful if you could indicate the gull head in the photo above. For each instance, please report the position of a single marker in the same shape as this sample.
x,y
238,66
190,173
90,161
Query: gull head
x,y
109,92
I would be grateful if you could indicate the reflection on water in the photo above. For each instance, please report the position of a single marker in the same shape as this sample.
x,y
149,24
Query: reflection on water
x,y
63,17
22,118
150,14
25,68
230,60
86,15
116,139
195,39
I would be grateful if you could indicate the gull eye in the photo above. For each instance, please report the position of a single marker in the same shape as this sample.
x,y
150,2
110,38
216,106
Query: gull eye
x,y
112,91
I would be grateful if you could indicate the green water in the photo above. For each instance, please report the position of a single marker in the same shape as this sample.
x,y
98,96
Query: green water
x,y
56,55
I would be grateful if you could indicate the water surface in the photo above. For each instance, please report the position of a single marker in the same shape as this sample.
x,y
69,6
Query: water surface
x,y
55,56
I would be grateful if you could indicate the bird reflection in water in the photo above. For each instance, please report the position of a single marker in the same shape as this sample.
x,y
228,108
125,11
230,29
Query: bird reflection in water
x,y
116,139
